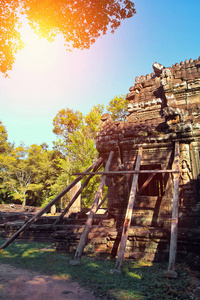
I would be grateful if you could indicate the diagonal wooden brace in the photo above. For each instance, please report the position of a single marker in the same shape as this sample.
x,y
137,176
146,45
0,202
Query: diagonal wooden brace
x,y
46,208
128,216
76,195
92,213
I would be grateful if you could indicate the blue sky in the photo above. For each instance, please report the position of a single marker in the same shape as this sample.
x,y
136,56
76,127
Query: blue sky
x,y
46,78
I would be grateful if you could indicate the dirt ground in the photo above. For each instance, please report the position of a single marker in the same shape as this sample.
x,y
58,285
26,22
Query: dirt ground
x,y
21,284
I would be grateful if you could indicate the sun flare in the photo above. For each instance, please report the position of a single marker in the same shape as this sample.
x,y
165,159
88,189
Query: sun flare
x,y
38,54
38,70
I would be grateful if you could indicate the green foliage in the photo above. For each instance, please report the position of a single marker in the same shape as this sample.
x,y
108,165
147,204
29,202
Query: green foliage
x,y
10,39
62,180
80,22
35,174
45,164
28,173
66,122
139,280
3,138
16,174
77,144
118,108
93,119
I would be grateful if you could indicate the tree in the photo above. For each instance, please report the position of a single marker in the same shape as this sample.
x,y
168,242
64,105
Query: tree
x,y
16,173
66,122
5,147
77,145
80,22
118,108
27,173
10,38
3,138
45,170
93,119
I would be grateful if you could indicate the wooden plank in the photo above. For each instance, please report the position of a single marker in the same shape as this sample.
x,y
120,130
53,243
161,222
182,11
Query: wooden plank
x,y
46,208
90,218
75,197
127,172
128,216
146,183
174,224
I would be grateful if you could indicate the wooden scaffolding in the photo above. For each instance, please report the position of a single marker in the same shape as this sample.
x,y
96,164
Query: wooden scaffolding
x,y
94,170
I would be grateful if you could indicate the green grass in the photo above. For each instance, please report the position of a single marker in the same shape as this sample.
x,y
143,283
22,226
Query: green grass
x,y
139,280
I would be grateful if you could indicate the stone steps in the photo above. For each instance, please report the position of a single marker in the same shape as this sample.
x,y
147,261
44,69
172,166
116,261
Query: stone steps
x,y
144,240
149,234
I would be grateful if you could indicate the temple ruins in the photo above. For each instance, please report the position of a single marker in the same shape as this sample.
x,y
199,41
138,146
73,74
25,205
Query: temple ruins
x,y
154,175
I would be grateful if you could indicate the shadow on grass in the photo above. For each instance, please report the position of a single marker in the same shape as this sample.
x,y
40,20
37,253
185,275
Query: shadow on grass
x,y
139,280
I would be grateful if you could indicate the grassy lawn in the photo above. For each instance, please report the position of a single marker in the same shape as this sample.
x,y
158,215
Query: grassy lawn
x,y
139,280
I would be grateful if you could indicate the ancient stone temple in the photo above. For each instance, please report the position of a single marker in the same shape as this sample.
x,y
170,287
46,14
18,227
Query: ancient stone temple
x,y
159,146
164,108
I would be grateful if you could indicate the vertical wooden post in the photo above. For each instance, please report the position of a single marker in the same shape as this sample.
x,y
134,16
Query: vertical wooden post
x,y
129,212
45,209
195,163
174,224
92,213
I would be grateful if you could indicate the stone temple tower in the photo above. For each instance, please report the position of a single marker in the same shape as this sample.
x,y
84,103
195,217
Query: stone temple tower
x,y
164,108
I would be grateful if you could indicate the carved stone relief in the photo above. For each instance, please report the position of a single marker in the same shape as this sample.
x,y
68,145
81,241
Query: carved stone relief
x,y
185,164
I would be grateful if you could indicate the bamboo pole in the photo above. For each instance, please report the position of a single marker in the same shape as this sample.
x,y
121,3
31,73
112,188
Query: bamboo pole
x,y
45,209
128,216
75,197
174,224
90,218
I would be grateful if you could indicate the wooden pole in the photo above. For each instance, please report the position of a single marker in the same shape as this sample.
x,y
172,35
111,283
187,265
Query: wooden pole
x,y
75,197
146,183
128,216
92,213
127,172
174,224
45,209
104,199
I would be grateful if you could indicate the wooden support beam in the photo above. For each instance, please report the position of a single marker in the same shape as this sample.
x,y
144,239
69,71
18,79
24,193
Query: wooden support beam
x,y
195,162
174,224
45,209
127,172
90,218
76,196
146,183
128,216
104,199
